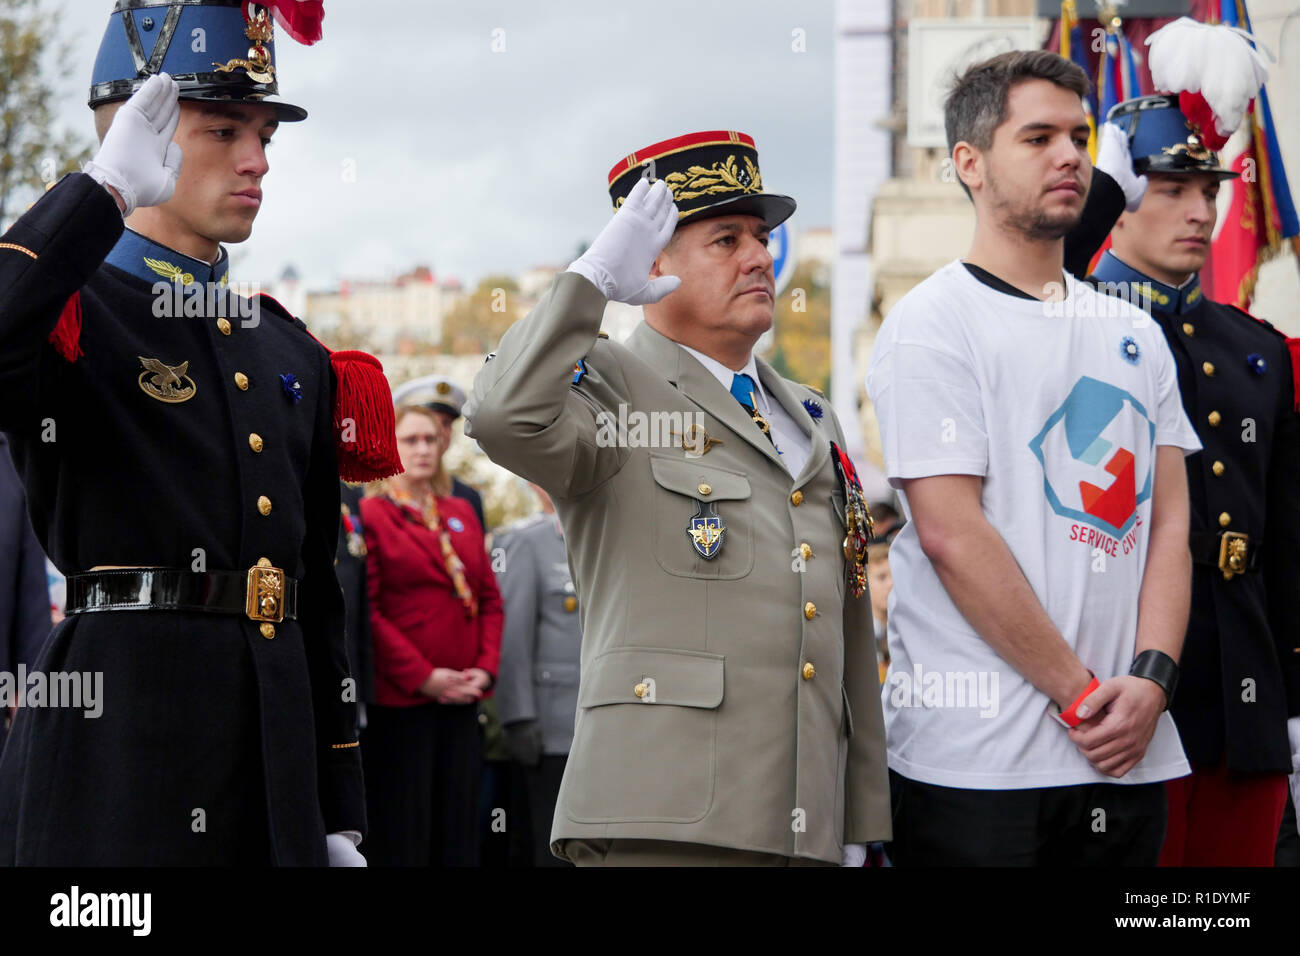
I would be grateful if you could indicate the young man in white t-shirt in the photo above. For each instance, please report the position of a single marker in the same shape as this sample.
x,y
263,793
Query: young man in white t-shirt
x,y
1036,432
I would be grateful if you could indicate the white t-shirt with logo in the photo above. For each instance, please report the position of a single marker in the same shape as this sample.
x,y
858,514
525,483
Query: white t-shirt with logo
x,y
1060,407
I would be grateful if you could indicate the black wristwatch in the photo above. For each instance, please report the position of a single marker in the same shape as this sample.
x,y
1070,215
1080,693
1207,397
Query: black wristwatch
x,y
1159,667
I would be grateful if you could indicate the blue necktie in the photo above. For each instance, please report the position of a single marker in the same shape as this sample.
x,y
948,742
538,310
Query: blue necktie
x,y
742,389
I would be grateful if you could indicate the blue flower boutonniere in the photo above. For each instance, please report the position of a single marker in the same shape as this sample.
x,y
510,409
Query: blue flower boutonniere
x,y
813,409
292,387
1257,363
1128,348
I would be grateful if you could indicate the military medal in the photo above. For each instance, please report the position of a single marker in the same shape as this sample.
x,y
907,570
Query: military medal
x,y
858,526
356,542
706,530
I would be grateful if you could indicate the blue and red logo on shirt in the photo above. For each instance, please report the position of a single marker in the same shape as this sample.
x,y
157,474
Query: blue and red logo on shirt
x,y
1096,451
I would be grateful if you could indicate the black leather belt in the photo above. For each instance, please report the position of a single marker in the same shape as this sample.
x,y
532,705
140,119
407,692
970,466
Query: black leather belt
x,y
263,593
1232,552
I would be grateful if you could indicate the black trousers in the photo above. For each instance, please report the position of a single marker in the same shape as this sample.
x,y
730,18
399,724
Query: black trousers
x,y
505,839
543,790
1095,824
422,769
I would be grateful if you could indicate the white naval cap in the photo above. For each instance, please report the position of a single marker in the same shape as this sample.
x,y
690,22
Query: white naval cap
x,y
431,391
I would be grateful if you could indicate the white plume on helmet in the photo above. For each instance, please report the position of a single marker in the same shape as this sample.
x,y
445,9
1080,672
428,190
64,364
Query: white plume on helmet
x,y
1215,60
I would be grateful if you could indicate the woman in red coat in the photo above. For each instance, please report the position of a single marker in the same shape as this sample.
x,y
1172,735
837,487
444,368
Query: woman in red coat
x,y
436,623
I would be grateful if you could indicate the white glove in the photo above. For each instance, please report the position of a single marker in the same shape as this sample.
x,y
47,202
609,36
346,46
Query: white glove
x,y
1114,159
342,848
855,854
618,262
138,157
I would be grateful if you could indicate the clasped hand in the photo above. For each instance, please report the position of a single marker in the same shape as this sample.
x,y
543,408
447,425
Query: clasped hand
x,y
449,686
1123,714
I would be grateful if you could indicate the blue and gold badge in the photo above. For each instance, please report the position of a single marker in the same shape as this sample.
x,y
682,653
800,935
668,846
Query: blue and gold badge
x,y
706,530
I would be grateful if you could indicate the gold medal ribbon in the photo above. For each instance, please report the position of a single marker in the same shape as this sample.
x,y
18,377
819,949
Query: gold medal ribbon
x,y
455,567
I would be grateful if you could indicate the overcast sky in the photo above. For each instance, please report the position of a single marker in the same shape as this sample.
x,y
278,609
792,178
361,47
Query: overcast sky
x,y
475,162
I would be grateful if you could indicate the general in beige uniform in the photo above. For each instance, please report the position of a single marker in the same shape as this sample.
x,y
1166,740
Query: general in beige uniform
x,y
728,706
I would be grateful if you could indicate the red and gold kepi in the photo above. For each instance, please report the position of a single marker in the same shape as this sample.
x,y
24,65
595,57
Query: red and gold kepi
x,y
714,173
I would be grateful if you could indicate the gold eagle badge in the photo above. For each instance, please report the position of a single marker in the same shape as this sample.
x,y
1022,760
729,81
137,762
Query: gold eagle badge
x,y
167,383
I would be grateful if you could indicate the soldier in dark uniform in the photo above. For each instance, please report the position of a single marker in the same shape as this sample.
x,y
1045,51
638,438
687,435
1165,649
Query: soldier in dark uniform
x,y
24,587
1238,683
350,563
182,469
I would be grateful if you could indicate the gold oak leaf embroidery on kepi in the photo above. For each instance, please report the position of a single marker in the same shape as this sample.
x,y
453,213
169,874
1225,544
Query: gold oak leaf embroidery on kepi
x,y
723,177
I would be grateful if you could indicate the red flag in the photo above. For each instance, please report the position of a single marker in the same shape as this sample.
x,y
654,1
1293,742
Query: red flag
x,y
1232,268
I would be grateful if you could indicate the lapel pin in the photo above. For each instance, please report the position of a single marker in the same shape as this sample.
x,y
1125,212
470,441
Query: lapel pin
x,y
292,387
696,441
1128,348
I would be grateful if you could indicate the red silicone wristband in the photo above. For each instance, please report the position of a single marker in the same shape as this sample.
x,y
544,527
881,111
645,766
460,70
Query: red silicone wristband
x,y
1069,717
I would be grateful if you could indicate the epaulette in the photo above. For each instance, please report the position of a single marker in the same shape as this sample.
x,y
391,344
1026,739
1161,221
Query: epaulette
x,y
364,428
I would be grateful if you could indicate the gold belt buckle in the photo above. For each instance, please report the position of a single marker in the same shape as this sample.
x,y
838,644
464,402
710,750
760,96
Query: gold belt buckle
x,y
1232,553
264,596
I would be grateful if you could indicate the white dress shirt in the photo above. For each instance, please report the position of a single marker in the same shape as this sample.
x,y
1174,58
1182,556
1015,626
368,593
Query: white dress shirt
x,y
791,441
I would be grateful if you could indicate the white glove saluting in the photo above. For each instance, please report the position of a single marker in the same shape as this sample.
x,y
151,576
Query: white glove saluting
x,y
618,262
1114,160
138,157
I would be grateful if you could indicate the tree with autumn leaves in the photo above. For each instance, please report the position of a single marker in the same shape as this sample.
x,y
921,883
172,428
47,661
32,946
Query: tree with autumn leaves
x,y
802,350
32,60
476,323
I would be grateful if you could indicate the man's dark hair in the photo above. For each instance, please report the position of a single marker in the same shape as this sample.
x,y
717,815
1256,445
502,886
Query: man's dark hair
x,y
977,102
